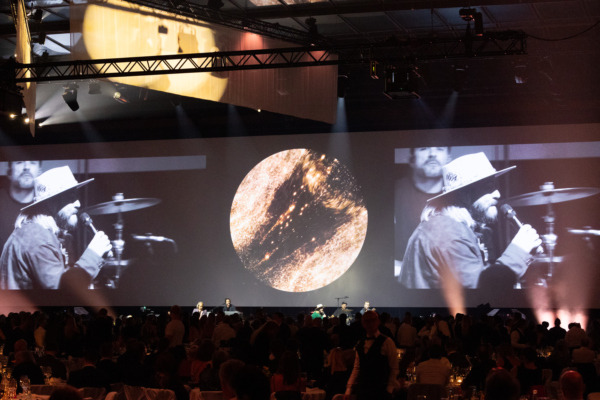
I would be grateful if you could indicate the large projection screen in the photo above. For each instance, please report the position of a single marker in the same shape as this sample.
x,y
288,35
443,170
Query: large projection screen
x,y
296,220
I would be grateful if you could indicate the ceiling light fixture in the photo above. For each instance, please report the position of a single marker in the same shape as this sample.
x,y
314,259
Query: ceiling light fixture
x,y
401,82
70,96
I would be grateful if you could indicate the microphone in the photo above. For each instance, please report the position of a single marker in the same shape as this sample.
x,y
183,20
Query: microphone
x,y
150,238
511,214
87,221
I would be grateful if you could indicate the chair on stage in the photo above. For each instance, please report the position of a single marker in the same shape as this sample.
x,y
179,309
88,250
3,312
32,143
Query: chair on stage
x,y
429,390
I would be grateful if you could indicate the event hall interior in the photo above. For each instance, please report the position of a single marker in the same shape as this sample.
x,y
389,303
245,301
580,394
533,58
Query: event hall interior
x,y
312,112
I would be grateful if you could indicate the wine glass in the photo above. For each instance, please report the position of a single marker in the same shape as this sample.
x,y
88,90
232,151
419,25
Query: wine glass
x,y
47,371
25,384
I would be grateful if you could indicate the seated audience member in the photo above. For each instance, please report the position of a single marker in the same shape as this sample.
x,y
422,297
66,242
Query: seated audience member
x,y
501,385
66,393
584,355
482,365
434,370
132,369
249,383
106,365
202,361
287,378
24,365
209,378
559,359
89,376
572,386
226,373
167,378
527,373
455,358
59,370
337,372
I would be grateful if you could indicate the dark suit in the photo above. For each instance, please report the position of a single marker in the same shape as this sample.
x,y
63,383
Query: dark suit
x,y
110,370
88,377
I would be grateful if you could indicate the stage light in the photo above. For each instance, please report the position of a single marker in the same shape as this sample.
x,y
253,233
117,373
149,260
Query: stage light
x,y
70,96
374,70
13,116
215,4
342,85
460,77
37,15
401,82
94,87
26,120
467,14
259,110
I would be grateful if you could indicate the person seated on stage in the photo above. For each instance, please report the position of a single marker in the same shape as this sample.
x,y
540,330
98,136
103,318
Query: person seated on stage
x,y
344,310
200,309
89,376
366,308
527,373
287,378
435,370
228,306
501,385
319,312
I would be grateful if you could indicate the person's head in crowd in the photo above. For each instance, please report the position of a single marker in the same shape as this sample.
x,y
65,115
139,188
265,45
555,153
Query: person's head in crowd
x,y
370,321
226,373
206,349
501,385
66,393
52,347
545,324
219,358
166,370
435,352
435,341
21,175
20,345
289,367
175,312
90,357
24,356
572,325
557,322
251,384
300,319
277,317
106,351
562,346
572,386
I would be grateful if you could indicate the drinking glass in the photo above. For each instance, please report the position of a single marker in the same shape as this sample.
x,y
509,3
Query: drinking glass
x,y
25,384
47,371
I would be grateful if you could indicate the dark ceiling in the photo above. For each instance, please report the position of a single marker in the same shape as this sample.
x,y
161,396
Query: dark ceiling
x,y
561,71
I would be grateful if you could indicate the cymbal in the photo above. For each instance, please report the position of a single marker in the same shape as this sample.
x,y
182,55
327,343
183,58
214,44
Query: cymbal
x,y
551,196
116,206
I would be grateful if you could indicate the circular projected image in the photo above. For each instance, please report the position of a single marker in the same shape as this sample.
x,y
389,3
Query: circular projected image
x,y
298,220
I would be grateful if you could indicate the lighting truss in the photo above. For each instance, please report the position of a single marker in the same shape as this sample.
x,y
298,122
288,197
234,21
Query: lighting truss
x,y
224,18
392,51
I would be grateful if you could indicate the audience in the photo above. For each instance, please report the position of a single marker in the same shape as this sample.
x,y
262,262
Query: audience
x,y
151,352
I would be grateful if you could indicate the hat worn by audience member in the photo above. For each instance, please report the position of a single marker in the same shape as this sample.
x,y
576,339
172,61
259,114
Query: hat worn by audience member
x,y
467,170
54,182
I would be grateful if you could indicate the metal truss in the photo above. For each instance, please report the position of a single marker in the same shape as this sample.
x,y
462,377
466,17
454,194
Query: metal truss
x,y
236,21
390,52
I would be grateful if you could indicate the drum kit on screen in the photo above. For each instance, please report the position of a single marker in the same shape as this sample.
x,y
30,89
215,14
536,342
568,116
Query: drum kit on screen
x,y
115,265
548,196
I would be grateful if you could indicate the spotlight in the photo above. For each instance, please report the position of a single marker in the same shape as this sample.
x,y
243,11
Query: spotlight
x,y
313,31
13,116
215,4
26,120
467,14
401,82
259,110
70,96
94,87
120,97
460,77
342,85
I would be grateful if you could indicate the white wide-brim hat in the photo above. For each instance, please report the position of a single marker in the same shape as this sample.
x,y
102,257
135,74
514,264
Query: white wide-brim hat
x,y
319,306
467,170
54,182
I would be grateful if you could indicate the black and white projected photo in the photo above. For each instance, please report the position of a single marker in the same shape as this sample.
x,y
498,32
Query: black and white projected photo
x,y
298,220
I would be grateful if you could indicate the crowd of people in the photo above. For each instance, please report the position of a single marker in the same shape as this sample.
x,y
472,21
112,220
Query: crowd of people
x,y
255,356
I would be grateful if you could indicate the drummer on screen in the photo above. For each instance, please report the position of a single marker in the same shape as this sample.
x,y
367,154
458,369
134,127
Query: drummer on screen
x,y
228,306
446,249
